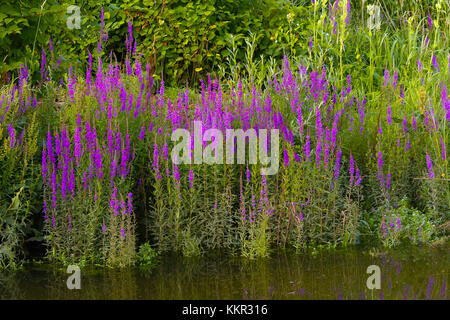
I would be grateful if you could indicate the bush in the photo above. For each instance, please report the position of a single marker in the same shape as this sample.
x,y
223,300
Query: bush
x,y
147,257
406,224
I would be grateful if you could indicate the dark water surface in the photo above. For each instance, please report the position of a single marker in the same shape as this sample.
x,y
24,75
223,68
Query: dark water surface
x,y
408,273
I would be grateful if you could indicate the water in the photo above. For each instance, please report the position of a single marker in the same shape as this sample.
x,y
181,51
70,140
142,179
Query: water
x,y
408,273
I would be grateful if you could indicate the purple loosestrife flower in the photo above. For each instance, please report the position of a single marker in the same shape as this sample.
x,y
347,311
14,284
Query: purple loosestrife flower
x,y
45,210
54,187
408,145
44,165
362,113
319,126
286,158
155,164
300,119
337,164
405,124
88,73
129,39
85,181
142,134
384,230
307,149
394,82
113,203
23,78
386,77
138,71
130,203
398,223
125,156
435,63
12,136
352,168
347,18
391,224
247,174
443,148
50,45
430,166
176,175
389,115
71,82
326,156
98,163
50,153
242,201
69,227
402,95
349,87
334,130
191,179
44,67
318,152
414,123
99,47
419,65
445,102
64,181
358,177
19,141
380,161
380,168
72,182
165,152
113,169
253,211
77,151
103,34
388,181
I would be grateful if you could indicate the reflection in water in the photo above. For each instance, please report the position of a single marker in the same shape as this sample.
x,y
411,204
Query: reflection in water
x,y
410,273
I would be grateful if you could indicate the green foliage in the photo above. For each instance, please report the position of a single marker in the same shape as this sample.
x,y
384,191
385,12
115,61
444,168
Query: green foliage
x,y
183,40
147,257
406,224
18,180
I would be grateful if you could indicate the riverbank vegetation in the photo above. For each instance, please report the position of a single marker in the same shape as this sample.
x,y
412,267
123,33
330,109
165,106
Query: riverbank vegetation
x,y
363,115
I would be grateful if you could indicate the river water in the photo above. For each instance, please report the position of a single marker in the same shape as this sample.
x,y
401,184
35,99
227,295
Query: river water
x,y
407,273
